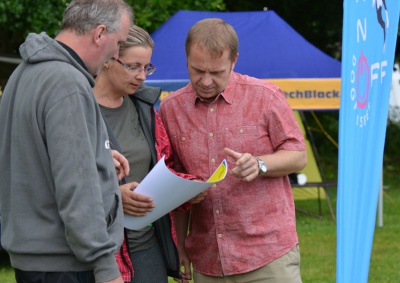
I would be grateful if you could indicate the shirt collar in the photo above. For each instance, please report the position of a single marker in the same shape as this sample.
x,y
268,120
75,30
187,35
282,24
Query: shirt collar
x,y
226,94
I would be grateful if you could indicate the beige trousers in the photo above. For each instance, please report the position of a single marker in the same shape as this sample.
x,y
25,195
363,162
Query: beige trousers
x,y
285,269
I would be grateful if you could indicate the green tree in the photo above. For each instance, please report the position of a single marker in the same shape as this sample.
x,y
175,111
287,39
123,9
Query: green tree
x,y
150,14
320,22
19,17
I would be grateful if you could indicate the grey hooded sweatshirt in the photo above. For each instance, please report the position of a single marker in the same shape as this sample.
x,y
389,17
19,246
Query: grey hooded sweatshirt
x,y
59,196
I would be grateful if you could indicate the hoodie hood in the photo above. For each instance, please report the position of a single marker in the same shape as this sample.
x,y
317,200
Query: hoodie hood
x,y
39,48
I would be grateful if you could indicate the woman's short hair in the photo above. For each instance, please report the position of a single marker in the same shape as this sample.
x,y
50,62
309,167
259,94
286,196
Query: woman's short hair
x,y
137,37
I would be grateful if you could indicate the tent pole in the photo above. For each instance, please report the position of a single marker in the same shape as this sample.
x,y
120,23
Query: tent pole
x,y
380,202
312,142
318,160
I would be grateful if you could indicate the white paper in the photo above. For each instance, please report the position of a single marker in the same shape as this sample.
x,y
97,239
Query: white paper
x,y
169,191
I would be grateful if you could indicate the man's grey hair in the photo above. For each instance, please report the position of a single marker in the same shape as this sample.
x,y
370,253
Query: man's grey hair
x,y
82,16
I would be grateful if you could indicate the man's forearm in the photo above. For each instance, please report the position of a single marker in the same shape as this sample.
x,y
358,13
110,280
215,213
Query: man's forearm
x,y
181,226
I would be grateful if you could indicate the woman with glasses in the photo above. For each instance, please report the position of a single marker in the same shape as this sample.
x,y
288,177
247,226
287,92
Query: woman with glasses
x,y
136,130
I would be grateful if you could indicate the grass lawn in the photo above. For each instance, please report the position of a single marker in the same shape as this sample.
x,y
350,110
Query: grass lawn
x,y
318,241
6,273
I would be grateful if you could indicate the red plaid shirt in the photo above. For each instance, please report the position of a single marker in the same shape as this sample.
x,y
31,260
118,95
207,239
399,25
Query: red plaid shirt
x,y
124,263
163,148
240,226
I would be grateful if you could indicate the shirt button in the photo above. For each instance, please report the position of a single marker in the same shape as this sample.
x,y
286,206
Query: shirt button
x,y
241,131
220,235
211,134
214,186
213,160
211,109
183,138
217,211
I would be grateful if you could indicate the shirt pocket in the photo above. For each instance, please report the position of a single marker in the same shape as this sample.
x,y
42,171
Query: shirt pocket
x,y
241,139
112,215
192,149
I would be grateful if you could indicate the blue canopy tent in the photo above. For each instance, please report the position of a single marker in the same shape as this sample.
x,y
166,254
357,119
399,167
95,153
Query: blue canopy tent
x,y
269,49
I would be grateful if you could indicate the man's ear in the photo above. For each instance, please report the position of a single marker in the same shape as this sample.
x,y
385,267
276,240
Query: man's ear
x,y
234,61
98,34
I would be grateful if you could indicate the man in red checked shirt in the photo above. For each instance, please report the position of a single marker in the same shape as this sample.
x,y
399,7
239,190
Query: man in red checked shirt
x,y
245,229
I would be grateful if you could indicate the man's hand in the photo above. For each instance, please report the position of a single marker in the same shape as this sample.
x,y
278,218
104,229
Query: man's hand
x,y
246,165
181,228
121,164
185,267
133,203
199,197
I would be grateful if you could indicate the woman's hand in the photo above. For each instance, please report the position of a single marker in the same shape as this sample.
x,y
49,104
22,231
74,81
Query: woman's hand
x,y
121,164
133,203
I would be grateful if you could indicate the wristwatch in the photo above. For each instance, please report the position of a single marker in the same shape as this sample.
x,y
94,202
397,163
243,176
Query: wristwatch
x,y
262,167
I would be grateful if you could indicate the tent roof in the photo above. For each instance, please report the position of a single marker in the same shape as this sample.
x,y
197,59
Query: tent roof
x,y
268,47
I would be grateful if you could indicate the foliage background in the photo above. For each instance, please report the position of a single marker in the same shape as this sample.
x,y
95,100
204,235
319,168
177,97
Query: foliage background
x,y
319,22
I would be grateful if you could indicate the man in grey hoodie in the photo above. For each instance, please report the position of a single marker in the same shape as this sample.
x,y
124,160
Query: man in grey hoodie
x,y
59,196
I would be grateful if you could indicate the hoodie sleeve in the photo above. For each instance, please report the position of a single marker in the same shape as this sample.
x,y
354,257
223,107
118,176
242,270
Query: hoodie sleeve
x,y
86,189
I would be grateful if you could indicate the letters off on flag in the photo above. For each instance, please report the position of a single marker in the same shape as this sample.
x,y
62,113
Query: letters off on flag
x,y
369,41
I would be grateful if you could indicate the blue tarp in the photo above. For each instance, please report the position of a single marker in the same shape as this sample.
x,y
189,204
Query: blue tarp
x,y
268,47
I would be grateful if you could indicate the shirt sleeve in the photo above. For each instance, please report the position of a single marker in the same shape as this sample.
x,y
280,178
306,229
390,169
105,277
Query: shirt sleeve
x,y
164,148
284,130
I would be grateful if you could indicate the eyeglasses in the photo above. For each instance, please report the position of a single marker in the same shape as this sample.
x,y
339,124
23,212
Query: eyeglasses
x,y
148,69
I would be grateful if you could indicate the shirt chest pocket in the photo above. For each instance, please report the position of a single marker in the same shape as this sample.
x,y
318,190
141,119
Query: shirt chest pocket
x,y
242,139
192,149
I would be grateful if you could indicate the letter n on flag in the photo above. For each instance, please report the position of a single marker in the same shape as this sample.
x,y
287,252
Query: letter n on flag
x,y
369,39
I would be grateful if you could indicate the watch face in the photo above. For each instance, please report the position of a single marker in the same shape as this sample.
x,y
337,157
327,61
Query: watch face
x,y
262,167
